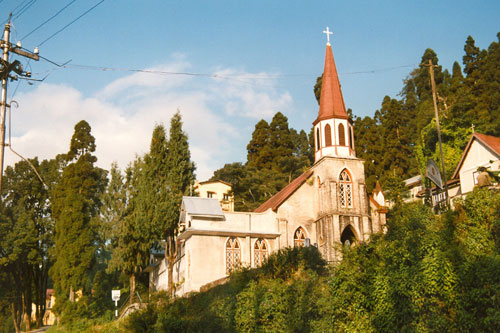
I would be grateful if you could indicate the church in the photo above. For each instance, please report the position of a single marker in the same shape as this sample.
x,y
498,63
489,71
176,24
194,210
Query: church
x,y
327,207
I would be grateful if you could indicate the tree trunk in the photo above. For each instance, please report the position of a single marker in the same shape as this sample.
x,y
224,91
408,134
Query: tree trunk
x,y
132,288
16,316
71,294
170,255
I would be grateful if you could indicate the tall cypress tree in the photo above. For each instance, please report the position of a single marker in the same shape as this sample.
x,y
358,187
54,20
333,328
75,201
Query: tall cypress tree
x,y
75,203
168,173
180,178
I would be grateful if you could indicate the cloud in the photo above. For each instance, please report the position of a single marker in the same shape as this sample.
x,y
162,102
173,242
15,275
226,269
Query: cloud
x,y
216,112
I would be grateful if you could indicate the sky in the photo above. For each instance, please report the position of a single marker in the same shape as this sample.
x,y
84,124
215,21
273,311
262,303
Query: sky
x,y
223,64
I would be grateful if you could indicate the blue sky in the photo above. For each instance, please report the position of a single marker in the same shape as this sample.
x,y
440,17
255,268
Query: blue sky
x,y
255,57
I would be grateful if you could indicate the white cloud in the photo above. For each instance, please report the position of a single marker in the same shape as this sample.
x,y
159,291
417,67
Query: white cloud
x,y
216,114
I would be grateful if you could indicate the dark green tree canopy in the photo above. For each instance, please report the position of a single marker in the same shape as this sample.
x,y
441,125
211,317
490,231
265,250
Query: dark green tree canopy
x,y
82,141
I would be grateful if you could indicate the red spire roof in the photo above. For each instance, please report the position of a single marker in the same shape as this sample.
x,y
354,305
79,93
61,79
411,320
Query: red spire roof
x,y
331,102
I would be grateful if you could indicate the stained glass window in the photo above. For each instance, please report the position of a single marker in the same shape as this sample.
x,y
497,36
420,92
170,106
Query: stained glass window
x,y
345,189
233,255
260,252
299,237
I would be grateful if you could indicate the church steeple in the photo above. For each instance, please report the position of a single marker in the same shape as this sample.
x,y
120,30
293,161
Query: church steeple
x,y
333,131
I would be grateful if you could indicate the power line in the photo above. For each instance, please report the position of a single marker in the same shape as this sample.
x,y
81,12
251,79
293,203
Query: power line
x,y
49,19
215,75
24,9
70,23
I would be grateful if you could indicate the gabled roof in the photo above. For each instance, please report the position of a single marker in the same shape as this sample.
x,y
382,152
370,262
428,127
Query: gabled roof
x,y
331,102
276,200
215,181
378,188
196,206
492,143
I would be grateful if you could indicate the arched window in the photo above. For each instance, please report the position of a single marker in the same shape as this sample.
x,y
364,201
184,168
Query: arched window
x,y
345,189
233,255
341,135
351,138
328,135
299,238
260,252
318,143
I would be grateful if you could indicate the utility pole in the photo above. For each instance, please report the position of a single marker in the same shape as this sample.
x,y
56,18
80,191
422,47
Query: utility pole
x,y
5,75
433,85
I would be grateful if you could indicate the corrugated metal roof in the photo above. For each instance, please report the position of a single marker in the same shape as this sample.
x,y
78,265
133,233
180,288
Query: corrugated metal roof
x,y
202,206
413,180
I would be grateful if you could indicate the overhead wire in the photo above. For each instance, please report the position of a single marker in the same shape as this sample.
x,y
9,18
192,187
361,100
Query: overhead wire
x,y
216,75
49,19
70,23
24,9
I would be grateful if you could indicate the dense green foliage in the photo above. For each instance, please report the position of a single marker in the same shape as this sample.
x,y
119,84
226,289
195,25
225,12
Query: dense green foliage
x,y
76,201
402,135
426,273
276,155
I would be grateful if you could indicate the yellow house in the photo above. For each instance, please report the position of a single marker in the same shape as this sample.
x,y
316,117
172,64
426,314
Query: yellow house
x,y
217,189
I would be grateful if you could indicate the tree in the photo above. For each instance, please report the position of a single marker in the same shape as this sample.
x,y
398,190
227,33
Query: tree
x,y
26,234
168,173
259,151
131,236
180,178
76,201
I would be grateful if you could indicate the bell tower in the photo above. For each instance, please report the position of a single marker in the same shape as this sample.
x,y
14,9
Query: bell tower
x,y
333,132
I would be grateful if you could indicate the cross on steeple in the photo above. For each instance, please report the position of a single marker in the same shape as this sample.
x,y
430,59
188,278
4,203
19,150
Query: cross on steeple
x,y
328,33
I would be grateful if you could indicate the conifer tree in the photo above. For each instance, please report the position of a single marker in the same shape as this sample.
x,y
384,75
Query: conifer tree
x,y
168,173
76,200
131,233
259,151
180,177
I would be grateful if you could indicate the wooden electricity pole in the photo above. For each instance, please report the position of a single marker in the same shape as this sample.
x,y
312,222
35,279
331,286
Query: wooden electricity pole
x,y
434,99
5,70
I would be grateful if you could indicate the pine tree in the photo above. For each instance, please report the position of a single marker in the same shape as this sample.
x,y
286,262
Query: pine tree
x,y
259,151
75,203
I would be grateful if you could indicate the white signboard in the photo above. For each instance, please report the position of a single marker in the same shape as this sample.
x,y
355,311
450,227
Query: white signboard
x,y
115,295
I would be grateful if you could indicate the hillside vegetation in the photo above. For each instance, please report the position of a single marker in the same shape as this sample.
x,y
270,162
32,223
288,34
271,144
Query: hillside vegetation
x,y
426,273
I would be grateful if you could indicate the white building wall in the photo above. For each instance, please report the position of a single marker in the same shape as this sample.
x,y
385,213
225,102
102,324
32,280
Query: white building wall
x,y
477,156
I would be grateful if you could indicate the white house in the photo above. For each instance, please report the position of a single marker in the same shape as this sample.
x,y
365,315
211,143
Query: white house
x,y
481,151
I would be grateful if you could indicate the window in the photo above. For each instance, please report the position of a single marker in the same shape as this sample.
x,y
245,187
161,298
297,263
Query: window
x,y
299,238
317,139
351,138
233,255
260,252
345,189
210,194
226,197
328,135
341,135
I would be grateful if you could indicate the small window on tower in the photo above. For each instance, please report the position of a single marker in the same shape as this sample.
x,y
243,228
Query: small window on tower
x,y
317,139
328,135
341,135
